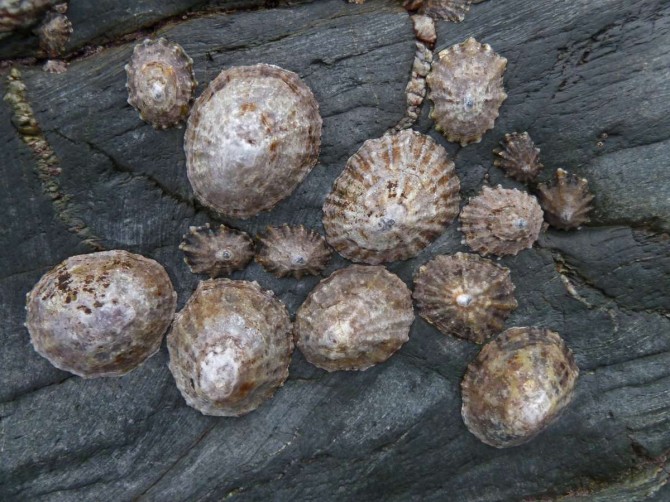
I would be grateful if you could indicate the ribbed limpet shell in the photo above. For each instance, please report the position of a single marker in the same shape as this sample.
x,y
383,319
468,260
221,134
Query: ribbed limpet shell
x,y
354,319
100,314
252,137
16,14
295,251
519,157
518,384
566,200
230,347
216,251
160,82
451,10
395,196
501,221
464,295
466,88
55,31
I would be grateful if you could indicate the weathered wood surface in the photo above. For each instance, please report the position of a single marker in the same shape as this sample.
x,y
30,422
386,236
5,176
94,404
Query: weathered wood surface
x,y
576,70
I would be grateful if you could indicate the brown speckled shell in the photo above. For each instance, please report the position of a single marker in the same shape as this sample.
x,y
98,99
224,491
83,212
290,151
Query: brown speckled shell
x,y
501,221
566,201
230,347
100,314
160,82
451,10
395,196
466,88
465,295
55,31
294,251
519,157
354,319
216,251
518,384
252,137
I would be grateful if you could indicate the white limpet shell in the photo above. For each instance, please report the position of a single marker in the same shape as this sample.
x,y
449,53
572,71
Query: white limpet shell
x,y
230,347
101,314
252,137
160,82
356,318
395,196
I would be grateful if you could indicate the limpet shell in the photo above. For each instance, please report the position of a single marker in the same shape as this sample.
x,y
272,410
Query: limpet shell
x,y
517,385
464,295
466,88
216,251
100,314
566,200
230,347
252,137
519,157
294,251
15,14
55,31
395,196
160,82
354,319
451,10
501,221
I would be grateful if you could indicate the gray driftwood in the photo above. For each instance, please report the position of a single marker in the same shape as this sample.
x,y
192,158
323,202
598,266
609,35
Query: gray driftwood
x,y
587,79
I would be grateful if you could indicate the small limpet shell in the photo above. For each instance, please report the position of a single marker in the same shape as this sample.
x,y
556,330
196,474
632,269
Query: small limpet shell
x,y
55,31
354,319
519,157
160,82
100,314
464,295
395,196
252,137
230,347
566,200
216,251
466,88
518,384
501,221
16,14
451,10
294,251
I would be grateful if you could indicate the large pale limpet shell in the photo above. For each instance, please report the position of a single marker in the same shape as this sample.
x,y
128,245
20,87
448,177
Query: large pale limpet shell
x,y
295,251
100,314
395,196
501,221
566,200
518,384
252,137
230,347
160,82
466,88
465,295
354,319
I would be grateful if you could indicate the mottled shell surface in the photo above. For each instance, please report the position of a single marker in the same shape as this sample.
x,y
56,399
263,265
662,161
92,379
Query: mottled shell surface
x,y
466,88
252,137
55,31
518,384
294,251
15,14
501,221
519,157
465,295
160,82
230,347
566,200
451,10
100,314
354,319
216,251
395,196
